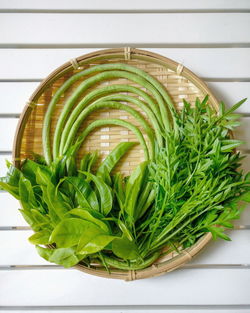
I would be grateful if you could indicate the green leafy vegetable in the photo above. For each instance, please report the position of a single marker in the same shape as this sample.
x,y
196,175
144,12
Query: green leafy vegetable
x,y
125,249
68,232
104,192
84,211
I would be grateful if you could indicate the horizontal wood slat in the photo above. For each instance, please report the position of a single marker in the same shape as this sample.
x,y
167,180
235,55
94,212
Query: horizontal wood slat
x,y
129,309
9,214
124,5
182,287
7,131
19,251
16,94
208,63
232,92
124,29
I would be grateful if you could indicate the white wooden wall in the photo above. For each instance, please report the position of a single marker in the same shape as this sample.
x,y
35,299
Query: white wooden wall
x,y
211,38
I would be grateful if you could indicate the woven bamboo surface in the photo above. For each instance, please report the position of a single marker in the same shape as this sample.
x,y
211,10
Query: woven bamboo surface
x,y
180,84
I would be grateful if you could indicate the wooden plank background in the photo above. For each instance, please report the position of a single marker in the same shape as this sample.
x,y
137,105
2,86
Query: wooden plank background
x,y
212,39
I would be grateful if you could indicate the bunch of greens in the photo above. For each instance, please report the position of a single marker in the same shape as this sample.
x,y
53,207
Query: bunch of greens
x,y
189,184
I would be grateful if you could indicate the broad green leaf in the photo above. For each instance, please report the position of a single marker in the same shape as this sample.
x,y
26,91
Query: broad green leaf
x,y
92,160
124,230
29,169
43,176
29,218
93,242
56,201
104,191
150,200
59,167
52,213
105,176
86,215
63,165
26,193
40,238
87,236
87,162
119,190
68,232
71,166
114,156
62,256
85,196
41,219
13,175
133,187
13,190
44,252
84,164
125,249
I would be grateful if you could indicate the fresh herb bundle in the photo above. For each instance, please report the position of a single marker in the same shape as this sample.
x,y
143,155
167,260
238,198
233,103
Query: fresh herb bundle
x,y
189,184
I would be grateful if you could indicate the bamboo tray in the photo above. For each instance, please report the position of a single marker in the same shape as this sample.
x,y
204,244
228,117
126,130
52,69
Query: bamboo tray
x,y
180,83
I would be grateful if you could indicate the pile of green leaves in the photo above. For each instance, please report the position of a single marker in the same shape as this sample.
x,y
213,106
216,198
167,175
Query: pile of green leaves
x,y
78,212
190,184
